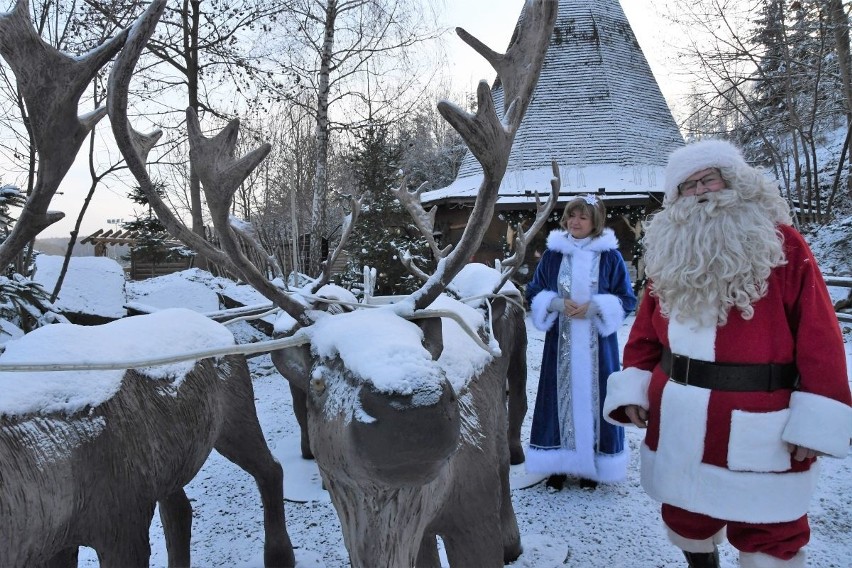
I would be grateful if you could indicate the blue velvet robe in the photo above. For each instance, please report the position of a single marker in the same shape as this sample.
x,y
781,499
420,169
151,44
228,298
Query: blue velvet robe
x,y
569,435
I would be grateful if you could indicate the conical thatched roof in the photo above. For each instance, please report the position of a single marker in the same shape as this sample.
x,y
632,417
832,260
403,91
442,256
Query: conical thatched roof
x,y
597,110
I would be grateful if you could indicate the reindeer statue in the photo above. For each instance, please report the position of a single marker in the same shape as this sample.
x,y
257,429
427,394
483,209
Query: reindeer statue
x,y
91,475
83,463
408,430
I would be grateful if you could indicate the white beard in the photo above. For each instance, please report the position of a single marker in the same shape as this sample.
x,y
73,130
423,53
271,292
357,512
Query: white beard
x,y
707,254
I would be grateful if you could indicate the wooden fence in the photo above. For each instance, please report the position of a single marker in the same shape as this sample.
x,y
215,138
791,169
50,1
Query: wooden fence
x,y
842,282
277,247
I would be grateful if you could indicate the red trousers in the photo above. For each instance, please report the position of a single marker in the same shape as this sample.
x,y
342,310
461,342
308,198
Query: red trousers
x,y
781,540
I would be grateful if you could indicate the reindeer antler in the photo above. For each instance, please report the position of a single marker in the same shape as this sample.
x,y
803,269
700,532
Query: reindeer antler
x,y
221,174
424,221
212,158
51,84
509,266
134,146
487,136
348,224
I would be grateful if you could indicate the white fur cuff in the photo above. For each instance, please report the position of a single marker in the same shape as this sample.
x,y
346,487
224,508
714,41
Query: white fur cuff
x,y
691,545
629,386
819,423
542,318
760,560
609,313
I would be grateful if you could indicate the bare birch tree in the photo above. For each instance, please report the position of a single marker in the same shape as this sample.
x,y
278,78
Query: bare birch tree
x,y
764,74
202,53
334,48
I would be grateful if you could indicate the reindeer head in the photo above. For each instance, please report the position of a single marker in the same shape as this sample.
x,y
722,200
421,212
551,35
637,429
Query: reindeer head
x,y
367,406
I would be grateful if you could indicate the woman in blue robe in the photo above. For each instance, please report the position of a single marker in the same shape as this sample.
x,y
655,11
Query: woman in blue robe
x,y
580,294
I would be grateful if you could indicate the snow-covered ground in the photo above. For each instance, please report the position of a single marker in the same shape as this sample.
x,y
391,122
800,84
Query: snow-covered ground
x,y
613,526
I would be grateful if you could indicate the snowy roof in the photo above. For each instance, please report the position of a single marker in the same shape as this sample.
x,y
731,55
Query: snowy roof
x,y
597,110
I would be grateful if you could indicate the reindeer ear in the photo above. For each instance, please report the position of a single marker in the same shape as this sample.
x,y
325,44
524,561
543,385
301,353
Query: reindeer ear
x,y
498,307
294,364
433,336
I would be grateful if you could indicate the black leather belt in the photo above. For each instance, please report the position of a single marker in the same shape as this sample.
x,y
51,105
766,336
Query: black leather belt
x,y
729,376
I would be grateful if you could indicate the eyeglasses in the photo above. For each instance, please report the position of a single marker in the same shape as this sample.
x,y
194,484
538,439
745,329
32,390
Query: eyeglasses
x,y
711,180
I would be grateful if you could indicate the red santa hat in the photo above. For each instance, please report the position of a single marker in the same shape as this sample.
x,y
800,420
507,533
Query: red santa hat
x,y
698,156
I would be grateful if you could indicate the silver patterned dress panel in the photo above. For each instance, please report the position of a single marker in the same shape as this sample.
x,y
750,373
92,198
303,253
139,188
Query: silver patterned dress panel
x,y
563,362
563,366
595,370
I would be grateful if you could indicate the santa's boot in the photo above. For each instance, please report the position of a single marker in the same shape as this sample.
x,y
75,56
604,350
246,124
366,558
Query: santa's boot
x,y
706,552
703,559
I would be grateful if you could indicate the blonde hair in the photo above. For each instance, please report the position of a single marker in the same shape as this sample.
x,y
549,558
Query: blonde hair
x,y
596,212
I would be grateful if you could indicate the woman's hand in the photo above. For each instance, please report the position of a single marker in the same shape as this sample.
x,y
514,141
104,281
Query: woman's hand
x,y
637,415
575,310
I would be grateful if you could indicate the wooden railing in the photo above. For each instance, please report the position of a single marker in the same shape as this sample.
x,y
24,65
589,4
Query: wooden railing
x,y
843,282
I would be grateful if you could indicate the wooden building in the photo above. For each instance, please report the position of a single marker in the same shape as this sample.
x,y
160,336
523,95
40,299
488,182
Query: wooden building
x,y
142,266
598,112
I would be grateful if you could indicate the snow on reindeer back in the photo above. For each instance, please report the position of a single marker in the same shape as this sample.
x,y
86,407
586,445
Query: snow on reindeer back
x,y
93,285
476,279
165,333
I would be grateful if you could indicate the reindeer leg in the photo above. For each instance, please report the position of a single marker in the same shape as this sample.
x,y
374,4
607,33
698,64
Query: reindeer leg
x,y
518,404
127,546
428,557
517,379
508,521
241,441
176,515
470,538
300,409
64,558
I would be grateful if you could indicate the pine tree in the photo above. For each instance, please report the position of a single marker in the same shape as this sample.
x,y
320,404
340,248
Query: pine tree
x,y
384,231
151,240
796,81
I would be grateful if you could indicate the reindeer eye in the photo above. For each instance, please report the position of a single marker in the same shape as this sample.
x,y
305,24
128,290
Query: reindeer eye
x,y
318,385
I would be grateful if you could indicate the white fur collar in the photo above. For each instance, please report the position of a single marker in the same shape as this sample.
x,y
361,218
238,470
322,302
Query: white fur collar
x,y
558,241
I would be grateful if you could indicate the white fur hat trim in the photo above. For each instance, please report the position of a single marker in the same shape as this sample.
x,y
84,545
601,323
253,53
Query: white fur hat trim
x,y
698,156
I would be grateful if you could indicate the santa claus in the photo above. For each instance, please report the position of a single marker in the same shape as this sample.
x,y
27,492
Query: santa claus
x,y
735,364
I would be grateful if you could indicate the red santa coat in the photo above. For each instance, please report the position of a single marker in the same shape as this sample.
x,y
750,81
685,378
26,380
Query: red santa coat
x,y
725,454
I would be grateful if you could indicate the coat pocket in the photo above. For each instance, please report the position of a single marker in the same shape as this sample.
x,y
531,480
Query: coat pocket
x,y
755,443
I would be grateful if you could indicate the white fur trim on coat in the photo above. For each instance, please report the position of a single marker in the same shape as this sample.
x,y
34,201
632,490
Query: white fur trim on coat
x,y
760,560
691,545
756,444
819,423
542,318
560,241
629,386
550,462
675,472
608,314
603,469
721,493
698,156
612,468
